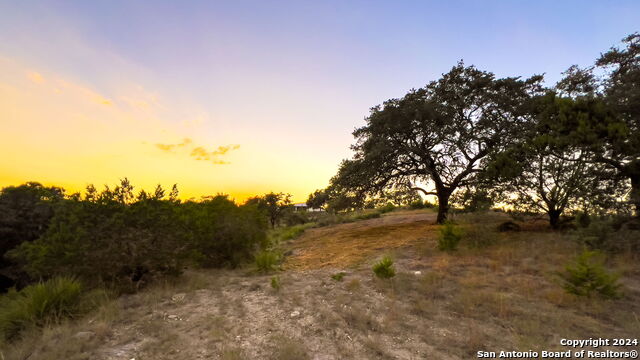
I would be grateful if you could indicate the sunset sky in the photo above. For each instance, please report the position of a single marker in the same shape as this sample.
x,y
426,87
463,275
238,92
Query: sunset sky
x,y
247,97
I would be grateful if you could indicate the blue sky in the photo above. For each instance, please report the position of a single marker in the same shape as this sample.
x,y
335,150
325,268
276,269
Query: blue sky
x,y
286,80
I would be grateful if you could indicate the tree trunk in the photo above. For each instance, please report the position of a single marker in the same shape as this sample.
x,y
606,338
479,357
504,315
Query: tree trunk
x,y
554,218
443,206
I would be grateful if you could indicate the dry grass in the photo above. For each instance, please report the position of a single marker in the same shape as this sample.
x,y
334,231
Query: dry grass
x,y
347,245
284,348
501,296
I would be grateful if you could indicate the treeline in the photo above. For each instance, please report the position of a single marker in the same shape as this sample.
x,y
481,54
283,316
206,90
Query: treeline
x,y
118,238
470,139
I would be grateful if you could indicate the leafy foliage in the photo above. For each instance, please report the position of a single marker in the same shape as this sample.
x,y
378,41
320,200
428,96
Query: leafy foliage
x,y
610,125
25,213
587,276
122,240
439,135
338,276
276,284
608,235
220,233
369,215
384,269
450,236
508,226
318,199
266,261
388,207
417,204
275,205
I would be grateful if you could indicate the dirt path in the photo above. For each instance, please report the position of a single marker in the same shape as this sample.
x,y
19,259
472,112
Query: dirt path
x,y
347,245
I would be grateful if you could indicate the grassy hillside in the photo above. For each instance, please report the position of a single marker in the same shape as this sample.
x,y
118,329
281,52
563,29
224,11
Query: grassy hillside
x,y
498,291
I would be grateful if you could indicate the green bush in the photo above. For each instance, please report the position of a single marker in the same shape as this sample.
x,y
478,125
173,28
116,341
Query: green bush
x,y
508,226
417,204
280,234
123,241
293,231
275,283
450,235
597,235
583,219
222,233
291,218
369,215
480,235
605,234
107,242
39,304
384,268
429,205
389,207
339,276
266,261
587,276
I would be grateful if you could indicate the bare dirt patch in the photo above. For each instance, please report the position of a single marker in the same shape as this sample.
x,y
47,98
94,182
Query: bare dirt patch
x,y
347,245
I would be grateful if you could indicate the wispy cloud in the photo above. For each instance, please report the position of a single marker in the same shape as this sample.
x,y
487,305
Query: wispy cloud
x,y
35,77
200,152
171,147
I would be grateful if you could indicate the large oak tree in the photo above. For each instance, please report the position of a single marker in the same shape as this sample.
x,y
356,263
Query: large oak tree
x,y
438,136
611,126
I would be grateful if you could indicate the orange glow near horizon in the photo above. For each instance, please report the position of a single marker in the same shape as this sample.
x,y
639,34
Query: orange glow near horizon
x,y
58,132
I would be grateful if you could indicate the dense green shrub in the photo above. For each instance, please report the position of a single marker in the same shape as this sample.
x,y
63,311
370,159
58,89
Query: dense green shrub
x,y
221,233
39,304
508,226
606,234
266,261
596,235
388,207
417,204
108,242
276,284
293,232
368,215
326,219
480,235
583,219
472,200
291,218
25,213
450,235
384,268
587,276
338,276
116,239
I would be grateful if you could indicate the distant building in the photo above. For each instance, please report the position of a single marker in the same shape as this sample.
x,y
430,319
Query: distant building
x,y
304,207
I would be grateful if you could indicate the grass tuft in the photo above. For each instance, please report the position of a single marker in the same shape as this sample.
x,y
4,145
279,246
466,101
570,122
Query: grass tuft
x,y
450,235
384,268
40,304
266,261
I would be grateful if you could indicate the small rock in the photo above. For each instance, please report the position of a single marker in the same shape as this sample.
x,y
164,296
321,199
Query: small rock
x,y
417,272
295,314
178,297
173,317
84,335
